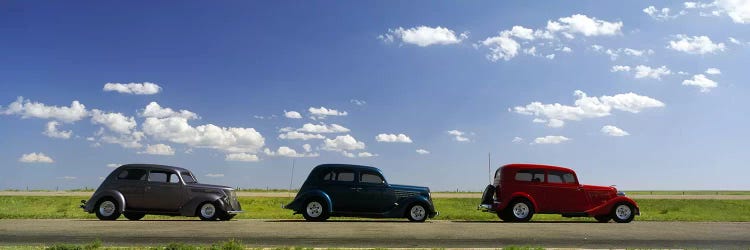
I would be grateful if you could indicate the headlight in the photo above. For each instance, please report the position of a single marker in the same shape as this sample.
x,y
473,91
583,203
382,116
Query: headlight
x,y
620,193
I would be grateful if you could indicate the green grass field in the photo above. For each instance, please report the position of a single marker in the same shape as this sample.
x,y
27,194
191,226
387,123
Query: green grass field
x,y
458,209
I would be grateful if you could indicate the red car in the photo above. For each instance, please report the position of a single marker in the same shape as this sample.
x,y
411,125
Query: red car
x,y
520,190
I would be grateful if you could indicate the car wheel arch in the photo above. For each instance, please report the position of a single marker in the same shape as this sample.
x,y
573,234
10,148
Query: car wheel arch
x,y
315,194
519,195
191,207
115,195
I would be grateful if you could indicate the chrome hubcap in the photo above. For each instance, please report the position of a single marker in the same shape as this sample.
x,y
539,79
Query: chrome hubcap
x,y
520,210
417,212
623,212
208,210
107,208
314,209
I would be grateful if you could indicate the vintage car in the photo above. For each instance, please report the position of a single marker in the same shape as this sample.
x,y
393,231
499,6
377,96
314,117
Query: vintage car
x,y
135,190
359,191
521,190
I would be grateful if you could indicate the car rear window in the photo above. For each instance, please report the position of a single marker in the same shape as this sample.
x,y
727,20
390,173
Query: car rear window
x,y
339,176
530,175
133,174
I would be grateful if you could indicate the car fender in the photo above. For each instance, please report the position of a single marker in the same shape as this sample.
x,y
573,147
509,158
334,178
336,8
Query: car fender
x,y
606,208
298,202
515,195
191,206
119,198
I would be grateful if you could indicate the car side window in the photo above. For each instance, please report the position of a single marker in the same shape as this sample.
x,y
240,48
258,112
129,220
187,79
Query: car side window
x,y
569,178
132,174
371,178
158,176
330,176
173,178
554,177
530,175
345,176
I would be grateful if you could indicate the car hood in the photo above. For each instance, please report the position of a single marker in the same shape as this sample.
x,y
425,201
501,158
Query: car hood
x,y
410,188
206,186
598,188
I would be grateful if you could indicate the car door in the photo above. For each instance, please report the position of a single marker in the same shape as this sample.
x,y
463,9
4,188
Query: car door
x,y
163,190
131,183
373,193
531,182
340,187
564,195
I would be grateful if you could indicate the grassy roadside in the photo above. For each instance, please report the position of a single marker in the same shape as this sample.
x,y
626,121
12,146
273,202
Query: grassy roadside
x,y
458,209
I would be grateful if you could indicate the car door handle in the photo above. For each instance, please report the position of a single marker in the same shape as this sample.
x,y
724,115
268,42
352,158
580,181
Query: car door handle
x,y
356,189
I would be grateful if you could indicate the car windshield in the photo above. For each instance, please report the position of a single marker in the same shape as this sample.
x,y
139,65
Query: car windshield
x,y
188,177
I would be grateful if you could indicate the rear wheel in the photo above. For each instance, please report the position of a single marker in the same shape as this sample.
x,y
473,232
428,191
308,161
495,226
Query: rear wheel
x,y
488,195
519,210
315,210
107,209
623,213
602,218
134,215
416,213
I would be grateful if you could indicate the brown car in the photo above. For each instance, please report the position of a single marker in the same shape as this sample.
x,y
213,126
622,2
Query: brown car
x,y
135,190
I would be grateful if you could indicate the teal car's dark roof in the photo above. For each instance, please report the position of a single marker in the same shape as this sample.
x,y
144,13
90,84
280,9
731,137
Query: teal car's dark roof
x,y
153,166
349,166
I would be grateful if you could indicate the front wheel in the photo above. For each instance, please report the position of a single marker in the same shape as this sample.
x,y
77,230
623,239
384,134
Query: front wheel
x,y
519,210
416,213
134,215
315,210
208,211
623,213
107,209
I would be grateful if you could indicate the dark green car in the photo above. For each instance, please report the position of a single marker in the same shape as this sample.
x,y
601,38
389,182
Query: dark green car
x,y
359,191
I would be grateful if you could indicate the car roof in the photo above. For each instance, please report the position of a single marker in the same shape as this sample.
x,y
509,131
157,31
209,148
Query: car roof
x,y
153,166
536,166
348,166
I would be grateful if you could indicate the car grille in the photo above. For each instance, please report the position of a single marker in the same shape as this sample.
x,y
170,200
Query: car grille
x,y
405,194
233,201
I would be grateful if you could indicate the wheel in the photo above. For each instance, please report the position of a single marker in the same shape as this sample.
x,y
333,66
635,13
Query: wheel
x,y
107,209
416,213
208,211
602,218
134,215
519,210
488,195
315,210
226,216
623,213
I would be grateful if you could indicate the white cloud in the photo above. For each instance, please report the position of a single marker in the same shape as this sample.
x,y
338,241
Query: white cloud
x,y
588,107
550,139
67,178
643,71
52,131
501,47
587,26
713,71
695,45
215,175
735,41
35,158
145,88
517,139
125,140
323,112
307,147
113,165
115,122
323,128
613,131
458,135
661,14
618,68
690,5
555,123
245,157
158,149
701,81
422,151
738,10
343,143
366,155
550,56
292,114
288,152
294,135
358,102
27,109
155,110
423,36
174,127
393,138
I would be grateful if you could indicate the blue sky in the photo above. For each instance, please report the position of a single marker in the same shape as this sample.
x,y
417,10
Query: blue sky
x,y
642,95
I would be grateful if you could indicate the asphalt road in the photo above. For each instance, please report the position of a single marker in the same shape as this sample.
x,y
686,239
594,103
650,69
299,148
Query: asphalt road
x,y
381,233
